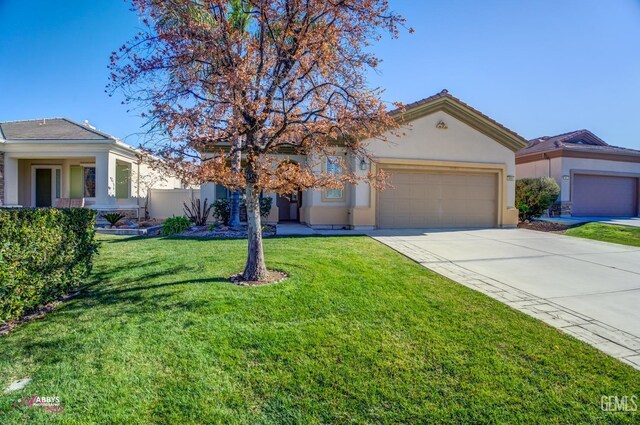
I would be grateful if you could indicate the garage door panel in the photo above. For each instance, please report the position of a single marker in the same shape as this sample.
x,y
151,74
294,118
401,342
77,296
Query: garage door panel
x,y
437,200
600,195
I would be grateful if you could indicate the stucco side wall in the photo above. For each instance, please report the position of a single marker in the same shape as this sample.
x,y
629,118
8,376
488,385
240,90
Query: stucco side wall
x,y
325,216
544,168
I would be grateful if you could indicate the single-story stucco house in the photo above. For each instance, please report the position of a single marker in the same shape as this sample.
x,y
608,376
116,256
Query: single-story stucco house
x,y
44,162
595,179
454,167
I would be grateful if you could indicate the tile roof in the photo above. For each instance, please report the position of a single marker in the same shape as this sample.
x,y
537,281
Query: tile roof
x,y
51,129
445,94
577,141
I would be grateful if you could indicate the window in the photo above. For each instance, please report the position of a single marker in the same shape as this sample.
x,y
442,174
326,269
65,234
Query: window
x,y
89,175
123,180
333,166
221,192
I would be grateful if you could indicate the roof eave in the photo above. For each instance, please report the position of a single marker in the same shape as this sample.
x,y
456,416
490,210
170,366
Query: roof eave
x,y
569,153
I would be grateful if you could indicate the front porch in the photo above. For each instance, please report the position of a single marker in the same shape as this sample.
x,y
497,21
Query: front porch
x,y
103,181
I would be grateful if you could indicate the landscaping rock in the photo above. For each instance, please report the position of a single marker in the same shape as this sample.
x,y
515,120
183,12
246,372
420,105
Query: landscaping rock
x,y
221,231
17,385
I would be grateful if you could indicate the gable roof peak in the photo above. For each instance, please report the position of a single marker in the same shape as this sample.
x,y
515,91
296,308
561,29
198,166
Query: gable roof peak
x,y
445,101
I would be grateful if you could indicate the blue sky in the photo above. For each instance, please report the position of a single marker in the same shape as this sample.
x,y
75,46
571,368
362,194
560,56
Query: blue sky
x,y
539,67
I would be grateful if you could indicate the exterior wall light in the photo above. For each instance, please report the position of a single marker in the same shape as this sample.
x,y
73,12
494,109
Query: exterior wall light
x,y
510,178
363,165
565,177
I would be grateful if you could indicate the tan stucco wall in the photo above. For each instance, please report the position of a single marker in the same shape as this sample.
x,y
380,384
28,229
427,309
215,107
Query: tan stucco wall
x,y
323,215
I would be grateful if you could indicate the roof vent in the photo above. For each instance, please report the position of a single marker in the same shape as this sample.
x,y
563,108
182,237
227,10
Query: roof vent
x,y
44,121
86,124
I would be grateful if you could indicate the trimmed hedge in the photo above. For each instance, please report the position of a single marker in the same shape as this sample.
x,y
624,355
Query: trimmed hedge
x,y
535,195
43,254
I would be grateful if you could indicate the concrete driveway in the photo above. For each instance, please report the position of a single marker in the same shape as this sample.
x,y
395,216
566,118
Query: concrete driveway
x,y
586,288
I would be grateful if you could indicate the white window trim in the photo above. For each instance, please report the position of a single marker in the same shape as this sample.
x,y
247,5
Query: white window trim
x,y
325,168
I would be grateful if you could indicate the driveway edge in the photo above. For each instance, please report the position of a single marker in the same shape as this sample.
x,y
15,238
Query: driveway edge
x,y
614,342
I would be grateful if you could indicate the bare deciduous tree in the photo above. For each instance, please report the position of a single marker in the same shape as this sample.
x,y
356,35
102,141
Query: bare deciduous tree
x,y
251,78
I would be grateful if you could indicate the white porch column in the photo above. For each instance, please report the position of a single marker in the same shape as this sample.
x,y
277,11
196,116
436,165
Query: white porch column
x,y
65,182
10,181
103,196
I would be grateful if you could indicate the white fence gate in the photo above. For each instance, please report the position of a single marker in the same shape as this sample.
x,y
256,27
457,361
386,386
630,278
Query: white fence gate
x,y
164,203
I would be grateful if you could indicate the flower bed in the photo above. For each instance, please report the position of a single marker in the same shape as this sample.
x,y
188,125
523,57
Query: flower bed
x,y
222,231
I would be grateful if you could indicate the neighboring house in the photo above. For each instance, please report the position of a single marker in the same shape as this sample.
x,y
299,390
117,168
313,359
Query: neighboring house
x,y
454,167
45,162
595,179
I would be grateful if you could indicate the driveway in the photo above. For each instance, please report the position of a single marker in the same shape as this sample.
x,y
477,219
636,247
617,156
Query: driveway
x,y
587,288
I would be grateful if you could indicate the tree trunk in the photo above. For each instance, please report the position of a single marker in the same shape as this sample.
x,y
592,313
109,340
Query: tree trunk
x,y
255,269
234,214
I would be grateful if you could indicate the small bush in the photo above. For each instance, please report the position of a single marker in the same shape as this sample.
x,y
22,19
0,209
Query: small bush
x,y
222,208
198,212
176,225
535,195
43,254
113,218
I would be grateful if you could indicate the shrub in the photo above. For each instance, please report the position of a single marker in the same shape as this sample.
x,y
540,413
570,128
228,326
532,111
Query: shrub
x,y
113,218
222,208
175,225
535,195
198,212
43,254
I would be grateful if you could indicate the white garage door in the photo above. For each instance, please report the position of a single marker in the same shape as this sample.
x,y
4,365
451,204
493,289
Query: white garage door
x,y
439,200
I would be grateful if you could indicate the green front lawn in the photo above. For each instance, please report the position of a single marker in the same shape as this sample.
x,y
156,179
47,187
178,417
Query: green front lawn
x,y
357,334
624,235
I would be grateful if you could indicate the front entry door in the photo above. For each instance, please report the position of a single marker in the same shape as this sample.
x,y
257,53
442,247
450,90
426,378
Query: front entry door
x,y
289,207
43,187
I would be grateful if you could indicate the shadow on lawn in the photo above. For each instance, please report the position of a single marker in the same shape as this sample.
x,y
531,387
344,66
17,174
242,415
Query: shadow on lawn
x,y
114,292
207,239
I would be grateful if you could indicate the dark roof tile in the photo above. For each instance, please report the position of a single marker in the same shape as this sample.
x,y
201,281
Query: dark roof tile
x,y
50,129
578,141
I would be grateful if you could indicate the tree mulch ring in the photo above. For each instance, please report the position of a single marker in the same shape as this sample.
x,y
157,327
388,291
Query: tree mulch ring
x,y
544,226
273,277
